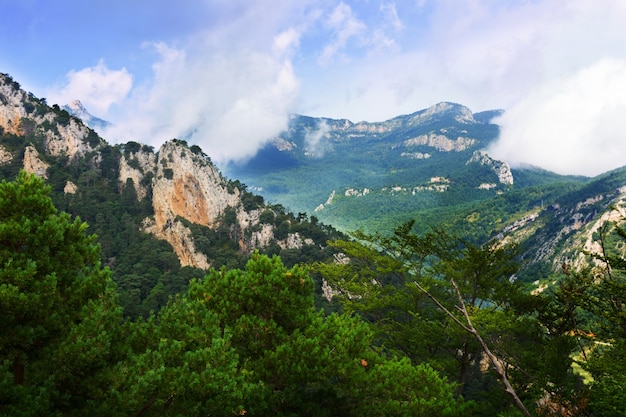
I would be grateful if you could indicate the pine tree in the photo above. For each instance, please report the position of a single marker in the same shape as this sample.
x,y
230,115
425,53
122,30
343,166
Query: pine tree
x,y
51,282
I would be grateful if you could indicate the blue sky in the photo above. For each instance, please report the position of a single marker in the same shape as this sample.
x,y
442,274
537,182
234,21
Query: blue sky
x,y
227,73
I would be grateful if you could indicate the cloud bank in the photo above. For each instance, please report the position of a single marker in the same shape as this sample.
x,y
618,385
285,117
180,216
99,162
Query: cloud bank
x,y
228,102
98,87
555,67
315,140
571,125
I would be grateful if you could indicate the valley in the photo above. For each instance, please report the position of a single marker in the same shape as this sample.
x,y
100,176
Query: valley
x,y
342,255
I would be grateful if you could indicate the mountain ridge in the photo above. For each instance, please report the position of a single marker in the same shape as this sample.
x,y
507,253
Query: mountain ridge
x,y
429,165
76,109
161,217
316,157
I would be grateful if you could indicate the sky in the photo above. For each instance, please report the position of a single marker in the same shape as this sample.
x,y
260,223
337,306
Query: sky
x,y
226,74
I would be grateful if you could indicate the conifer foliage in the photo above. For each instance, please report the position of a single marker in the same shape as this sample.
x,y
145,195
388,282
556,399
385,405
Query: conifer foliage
x,y
238,342
52,286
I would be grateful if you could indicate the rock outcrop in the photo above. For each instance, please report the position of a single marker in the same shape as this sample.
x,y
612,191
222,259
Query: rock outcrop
x,y
11,109
22,114
501,168
441,142
5,156
139,166
187,186
68,140
33,163
70,188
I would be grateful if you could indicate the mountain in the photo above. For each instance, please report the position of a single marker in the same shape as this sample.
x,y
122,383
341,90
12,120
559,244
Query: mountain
x,y
373,175
75,108
162,217
431,166
165,216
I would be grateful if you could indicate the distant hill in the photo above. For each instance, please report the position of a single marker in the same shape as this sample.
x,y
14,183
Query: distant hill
x,y
431,166
165,216
372,175
76,109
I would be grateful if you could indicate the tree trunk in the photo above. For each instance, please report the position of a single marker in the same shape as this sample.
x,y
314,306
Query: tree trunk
x,y
465,366
468,326
18,372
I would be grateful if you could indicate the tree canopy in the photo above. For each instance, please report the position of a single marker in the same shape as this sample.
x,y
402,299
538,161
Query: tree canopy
x,y
238,341
54,298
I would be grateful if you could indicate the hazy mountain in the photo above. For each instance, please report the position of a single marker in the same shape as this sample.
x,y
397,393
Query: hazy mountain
x,y
431,166
164,216
356,175
76,109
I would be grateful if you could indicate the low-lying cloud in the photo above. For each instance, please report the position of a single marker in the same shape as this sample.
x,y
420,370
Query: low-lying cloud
x,y
228,88
98,87
316,142
556,68
573,125
228,102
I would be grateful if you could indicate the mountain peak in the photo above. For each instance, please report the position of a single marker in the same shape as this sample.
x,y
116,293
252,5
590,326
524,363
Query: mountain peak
x,y
460,113
77,109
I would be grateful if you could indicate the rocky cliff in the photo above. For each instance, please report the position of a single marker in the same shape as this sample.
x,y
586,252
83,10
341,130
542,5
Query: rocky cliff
x,y
501,168
22,114
440,142
184,186
188,186
180,182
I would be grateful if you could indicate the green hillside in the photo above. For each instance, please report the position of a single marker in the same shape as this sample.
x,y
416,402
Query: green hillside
x,y
466,288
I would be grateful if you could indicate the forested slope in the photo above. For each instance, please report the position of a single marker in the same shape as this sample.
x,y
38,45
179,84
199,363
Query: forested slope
x,y
136,281
143,205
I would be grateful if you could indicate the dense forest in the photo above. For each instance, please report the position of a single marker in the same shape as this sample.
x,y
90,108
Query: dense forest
x,y
428,325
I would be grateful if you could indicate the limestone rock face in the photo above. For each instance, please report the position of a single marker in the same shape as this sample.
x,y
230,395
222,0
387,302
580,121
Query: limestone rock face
x,y
20,113
441,142
11,108
186,187
284,145
294,241
34,164
70,188
261,238
69,141
180,237
5,156
189,186
137,166
501,168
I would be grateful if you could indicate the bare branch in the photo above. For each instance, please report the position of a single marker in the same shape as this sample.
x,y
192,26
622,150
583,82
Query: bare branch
x,y
469,327
442,307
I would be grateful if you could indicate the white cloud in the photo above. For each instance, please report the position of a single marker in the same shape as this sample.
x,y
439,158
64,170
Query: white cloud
x,y
390,14
97,87
344,26
570,117
229,87
554,66
287,41
315,141
573,125
227,100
